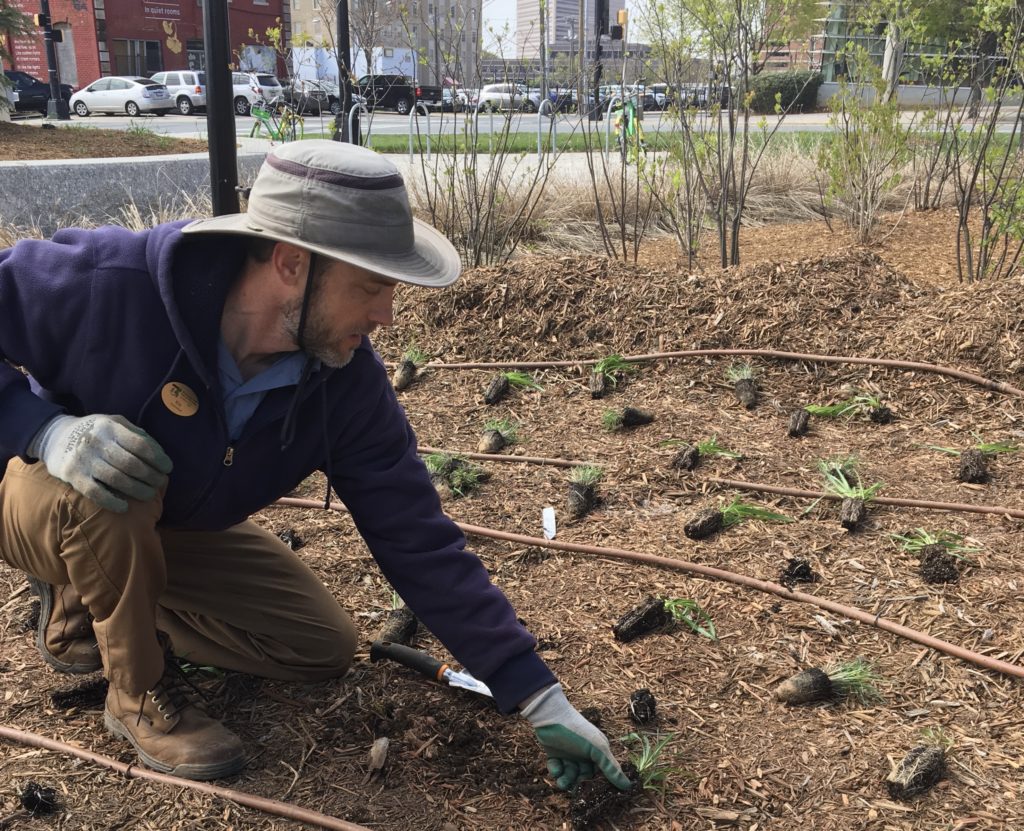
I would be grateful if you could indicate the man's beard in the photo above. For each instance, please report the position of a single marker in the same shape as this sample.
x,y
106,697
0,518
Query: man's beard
x,y
316,335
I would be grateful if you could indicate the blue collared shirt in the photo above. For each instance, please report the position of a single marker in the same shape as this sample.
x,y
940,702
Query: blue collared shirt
x,y
241,397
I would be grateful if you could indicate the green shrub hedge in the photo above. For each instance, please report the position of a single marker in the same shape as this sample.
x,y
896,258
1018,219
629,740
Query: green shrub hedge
x,y
798,88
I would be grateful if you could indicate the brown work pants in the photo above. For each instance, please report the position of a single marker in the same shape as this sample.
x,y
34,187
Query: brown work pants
x,y
238,599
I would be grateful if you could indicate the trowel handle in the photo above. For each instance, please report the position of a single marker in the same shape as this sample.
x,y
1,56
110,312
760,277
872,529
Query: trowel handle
x,y
408,657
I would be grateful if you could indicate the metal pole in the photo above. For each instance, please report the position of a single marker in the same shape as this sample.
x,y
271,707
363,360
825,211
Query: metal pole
x,y
220,112
341,121
56,108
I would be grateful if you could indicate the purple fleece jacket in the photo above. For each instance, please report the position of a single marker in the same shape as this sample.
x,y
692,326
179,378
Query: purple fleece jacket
x,y
104,320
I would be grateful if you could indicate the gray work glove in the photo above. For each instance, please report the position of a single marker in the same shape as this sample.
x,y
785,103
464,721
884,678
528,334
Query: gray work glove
x,y
575,748
105,458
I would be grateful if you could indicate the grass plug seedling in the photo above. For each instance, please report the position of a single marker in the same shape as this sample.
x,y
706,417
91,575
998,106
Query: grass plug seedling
x,y
853,679
405,372
973,467
583,490
653,773
711,521
742,378
400,625
942,554
862,404
612,420
497,435
643,708
501,384
690,455
690,614
649,615
453,473
843,480
608,372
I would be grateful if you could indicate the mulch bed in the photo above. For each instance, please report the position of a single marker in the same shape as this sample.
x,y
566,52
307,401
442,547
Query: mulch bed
x,y
742,760
34,142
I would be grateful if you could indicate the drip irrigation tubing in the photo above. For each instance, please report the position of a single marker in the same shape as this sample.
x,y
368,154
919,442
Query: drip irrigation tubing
x,y
498,457
958,507
916,366
268,806
711,573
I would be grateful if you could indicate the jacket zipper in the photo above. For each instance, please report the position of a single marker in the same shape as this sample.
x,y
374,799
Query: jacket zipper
x,y
229,456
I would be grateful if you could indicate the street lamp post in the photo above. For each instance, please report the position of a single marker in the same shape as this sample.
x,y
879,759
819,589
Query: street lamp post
x,y
341,132
56,107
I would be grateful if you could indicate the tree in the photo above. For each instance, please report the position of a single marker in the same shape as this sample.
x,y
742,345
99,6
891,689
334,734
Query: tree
x,y
369,22
12,22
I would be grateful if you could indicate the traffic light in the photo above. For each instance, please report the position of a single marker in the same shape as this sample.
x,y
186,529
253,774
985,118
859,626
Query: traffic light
x,y
41,20
57,36
616,33
601,17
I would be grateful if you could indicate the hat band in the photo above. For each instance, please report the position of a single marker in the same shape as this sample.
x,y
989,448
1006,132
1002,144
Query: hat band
x,y
334,177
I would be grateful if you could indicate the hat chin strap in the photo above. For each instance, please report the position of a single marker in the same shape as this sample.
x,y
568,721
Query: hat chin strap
x,y
288,428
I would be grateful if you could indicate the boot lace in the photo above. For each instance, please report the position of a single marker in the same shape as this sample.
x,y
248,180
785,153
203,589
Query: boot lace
x,y
172,693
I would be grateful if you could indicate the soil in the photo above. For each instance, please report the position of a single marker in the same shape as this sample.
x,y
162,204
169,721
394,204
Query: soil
x,y
806,687
650,615
30,142
798,571
581,499
705,524
635,417
741,760
643,707
496,390
404,374
746,392
939,565
973,467
799,421
919,770
852,513
688,458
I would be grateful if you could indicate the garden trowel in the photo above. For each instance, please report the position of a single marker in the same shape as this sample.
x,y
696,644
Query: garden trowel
x,y
427,665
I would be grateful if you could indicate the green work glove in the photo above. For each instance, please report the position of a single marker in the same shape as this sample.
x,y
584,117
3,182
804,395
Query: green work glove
x,y
575,748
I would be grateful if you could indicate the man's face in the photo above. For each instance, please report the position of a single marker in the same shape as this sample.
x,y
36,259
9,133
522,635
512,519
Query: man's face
x,y
347,303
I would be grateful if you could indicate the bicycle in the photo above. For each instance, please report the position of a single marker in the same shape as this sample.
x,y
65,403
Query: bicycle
x,y
279,118
629,133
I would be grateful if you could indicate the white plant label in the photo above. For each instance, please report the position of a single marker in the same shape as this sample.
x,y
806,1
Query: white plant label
x,y
548,521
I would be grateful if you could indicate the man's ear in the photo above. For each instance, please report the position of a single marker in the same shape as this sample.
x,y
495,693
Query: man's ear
x,y
290,263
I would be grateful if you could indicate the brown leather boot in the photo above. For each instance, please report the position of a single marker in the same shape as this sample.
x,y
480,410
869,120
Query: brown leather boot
x,y
170,732
64,633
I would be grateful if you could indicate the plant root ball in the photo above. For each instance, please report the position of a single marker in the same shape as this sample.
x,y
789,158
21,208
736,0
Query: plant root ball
x,y
805,687
643,708
496,390
746,392
852,513
703,525
920,769
635,417
37,799
598,798
939,565
687,459
399,626
881,415
581,499
797,571
649,616
799,422
973,468
491,442
598,384
404,375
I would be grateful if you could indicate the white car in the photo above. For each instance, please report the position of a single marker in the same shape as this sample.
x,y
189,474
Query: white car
x,y
122,94
252,88
187,88
504,97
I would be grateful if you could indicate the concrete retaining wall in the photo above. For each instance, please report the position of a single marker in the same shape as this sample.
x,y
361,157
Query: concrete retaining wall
x,y
913,95
53,194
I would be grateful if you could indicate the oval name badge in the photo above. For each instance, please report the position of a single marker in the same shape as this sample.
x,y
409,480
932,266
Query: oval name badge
x,y
179,399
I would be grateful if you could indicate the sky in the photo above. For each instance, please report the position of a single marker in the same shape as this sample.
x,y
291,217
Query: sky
x,y
498,13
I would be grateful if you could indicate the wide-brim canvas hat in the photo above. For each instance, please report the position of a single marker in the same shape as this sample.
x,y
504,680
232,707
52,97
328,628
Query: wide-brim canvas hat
x,y
347,203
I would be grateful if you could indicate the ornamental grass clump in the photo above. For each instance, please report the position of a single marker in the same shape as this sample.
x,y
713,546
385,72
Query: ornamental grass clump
x,y
855,680
609,372
583,489
842,479
502,383
741,376
711,521
690,614
860,404
690,455
942,555
652,769
498,434
405,372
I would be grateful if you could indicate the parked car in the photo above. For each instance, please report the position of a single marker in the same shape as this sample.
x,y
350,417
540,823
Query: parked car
x,y
122,94
33,95
315,97
187,88
252,88
397,92
504,97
